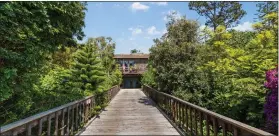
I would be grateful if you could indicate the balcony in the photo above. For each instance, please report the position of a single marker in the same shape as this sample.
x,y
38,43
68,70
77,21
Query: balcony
x,y
132,71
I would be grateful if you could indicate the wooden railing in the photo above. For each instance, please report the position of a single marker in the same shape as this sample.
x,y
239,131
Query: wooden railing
x,y
198,121
127,70
63,120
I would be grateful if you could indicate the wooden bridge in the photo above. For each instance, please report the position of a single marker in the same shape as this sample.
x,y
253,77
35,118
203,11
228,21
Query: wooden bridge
x,y
131,112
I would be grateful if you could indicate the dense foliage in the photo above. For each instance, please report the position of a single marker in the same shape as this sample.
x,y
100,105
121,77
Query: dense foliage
x,y
271,105
218,12
224,73
41,62
134,51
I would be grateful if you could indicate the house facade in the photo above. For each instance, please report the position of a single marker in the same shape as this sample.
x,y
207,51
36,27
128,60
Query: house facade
x,y
132,67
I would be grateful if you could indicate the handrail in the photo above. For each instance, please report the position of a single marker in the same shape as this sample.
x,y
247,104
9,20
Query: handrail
x,y
181,112
68,117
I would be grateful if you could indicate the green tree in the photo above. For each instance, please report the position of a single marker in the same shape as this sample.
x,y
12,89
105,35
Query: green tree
x,y
265,8
106,49
148,77
135,51
31,31
173,56
87,70
218,13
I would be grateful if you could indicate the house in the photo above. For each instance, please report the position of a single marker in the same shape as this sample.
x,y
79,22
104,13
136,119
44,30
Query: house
x,y
132,67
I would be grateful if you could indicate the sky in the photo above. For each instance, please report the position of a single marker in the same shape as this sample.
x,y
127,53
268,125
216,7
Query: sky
x,y
134,25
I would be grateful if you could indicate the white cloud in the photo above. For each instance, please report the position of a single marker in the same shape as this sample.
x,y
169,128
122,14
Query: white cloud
x,y
153,31
135,31
138,6
174,13
246,26
160,3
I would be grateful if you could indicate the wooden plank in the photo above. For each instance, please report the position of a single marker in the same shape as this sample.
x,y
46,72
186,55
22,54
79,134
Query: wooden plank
x,y
148,121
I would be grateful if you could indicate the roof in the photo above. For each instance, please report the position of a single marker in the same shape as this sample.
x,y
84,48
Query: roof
x,y
132,56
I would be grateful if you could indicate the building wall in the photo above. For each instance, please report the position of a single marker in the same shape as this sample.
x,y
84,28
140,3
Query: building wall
x,y
130,80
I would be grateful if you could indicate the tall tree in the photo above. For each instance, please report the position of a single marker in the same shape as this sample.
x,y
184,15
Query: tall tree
x,y
87,70
218,13
106,47
266,7
135,51
29,32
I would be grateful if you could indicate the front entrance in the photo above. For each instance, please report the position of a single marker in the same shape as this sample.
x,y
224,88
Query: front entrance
x,y
131,82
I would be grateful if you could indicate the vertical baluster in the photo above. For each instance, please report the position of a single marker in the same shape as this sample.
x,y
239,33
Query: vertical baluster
x,y
77,117
201,123
73,119
56,123
235,131
196,121
92,106
207,126
183,116
80,113
68,120
172,110
83,112
224,128
89,108
191,120
86,110
29,129
48,125
62,122
177,112
215,127
14,133
40,126
186,112
170,107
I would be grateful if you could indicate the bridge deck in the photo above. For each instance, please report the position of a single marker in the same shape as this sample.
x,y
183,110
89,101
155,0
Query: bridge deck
x,y
130,113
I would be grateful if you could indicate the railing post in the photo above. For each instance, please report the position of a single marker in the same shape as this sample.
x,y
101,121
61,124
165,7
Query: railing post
x,y
76,117
29,129
40,126
62,122
68,120
49,125
56,123
201,123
